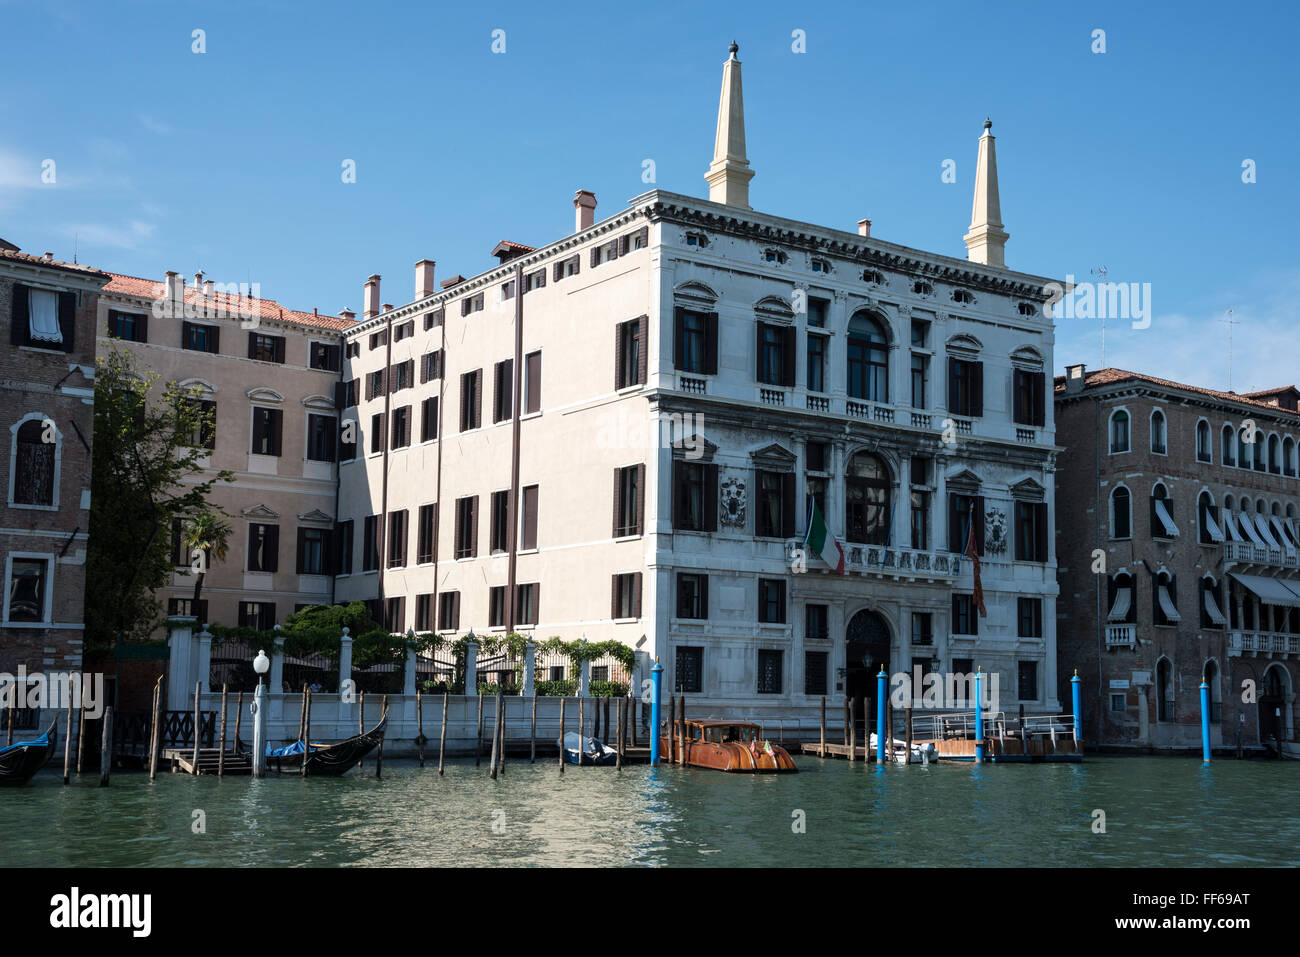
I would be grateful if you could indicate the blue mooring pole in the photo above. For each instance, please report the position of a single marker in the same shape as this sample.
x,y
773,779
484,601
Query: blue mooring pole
x,y
1205,719
1076,691
656,685
881,680
979,717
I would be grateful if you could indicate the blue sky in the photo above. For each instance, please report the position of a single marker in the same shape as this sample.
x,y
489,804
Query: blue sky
x,y
230,160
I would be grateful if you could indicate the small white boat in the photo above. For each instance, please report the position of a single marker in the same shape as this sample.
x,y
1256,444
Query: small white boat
x,y
592,751
923,752
1289,749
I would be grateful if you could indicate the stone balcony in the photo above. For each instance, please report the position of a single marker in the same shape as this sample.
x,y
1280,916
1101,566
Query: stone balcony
x,y
1248,553
1121,636
900,564
1267,643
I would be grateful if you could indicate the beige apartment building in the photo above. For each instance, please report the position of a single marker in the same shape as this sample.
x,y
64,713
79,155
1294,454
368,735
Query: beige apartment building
x,y
270,374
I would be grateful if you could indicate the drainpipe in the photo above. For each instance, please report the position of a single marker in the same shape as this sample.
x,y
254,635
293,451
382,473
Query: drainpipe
x,y
512,509
381,532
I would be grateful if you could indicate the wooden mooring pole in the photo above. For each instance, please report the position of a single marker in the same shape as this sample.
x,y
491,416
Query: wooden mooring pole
x,y
379,752
198,722
106,748
532,735
672,729
239,718
67,742
681,716
496,736
622,727
221,754
582,732
419,726
853,729
361,724
306,729
478,748
501,757
907,730
155,740
442,735
81,724
562,701
822,749
846,721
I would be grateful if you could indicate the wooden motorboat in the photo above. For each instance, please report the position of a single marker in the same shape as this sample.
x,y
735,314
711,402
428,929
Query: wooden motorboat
x,y
923,752
736,746
591,751
330,760
1286,749
18,762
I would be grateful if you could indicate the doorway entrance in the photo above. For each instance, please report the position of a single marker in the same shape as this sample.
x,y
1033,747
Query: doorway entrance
x,y
867,644
1272,701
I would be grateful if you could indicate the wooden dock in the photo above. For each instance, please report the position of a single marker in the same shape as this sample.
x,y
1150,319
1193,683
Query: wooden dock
x,y
182,759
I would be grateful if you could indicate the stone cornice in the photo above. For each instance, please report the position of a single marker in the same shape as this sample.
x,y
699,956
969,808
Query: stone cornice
x,y
1168,394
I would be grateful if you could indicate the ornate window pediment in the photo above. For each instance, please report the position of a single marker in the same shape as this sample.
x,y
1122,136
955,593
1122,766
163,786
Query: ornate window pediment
x,y
1028,490
1027,357
259,511
201,384
319,402
774,455
695,291
316,515
964,343
965,479
263,394
774,307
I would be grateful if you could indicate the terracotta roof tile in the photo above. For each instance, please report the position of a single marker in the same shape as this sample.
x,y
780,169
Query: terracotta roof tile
x,y
15,255
266,308
1102,377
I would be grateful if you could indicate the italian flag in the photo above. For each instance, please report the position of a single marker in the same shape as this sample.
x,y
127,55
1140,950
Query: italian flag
x,y
820,539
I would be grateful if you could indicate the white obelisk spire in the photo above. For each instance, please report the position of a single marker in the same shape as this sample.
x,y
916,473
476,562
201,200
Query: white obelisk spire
x,y
729,173
986,241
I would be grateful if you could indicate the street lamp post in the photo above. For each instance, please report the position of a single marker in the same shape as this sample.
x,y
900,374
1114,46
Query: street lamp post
x,y
261,664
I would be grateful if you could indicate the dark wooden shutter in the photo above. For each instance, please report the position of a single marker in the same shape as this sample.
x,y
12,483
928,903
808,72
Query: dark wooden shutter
x,y
636,595
473,527
19,324
710,498
956,522
787,356
215,339
327,551
478,399
556,275
953,404
279,348
68,320
620,334
643,235
613,596
678,477
758,351
711,343
1040,398
498,391
595,256
640,499
1019,384
643,348
340,395
787,505
541,279
1040,530
112,325
272,548
679,336
979,524
618,502
276,423
533,367
302,542
704,596
530,518
142,328
976,388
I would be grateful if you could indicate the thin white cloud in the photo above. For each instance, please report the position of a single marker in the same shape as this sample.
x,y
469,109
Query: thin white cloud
x,y
155,125
128,236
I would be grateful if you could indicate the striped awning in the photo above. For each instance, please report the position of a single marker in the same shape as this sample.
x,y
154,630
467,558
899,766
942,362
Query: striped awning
x,y
1271,591
1167,520
1123,601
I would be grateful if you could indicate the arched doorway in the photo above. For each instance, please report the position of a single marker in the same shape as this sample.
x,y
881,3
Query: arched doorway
x,y
867,644
1272,702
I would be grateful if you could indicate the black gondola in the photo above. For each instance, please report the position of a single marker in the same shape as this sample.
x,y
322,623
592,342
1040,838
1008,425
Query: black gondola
x,y
330,760
18,762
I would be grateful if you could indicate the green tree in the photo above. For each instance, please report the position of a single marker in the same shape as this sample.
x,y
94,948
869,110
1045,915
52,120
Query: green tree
x,y
207,533
145,472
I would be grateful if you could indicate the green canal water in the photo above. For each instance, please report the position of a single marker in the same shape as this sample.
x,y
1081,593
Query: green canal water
x,y
1159,812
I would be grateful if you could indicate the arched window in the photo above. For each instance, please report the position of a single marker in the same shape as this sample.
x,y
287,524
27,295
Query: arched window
x,y
1243,449
1162,513
1228,452
1210,533
1122,609
1121,513
868,374
1158,444
867,506
34,460
1274,455
1288,457
1204,452
1164,690
1119,441
1258,446
1211,604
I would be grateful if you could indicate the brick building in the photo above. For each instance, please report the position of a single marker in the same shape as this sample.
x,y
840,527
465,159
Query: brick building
x,y
47,394
1192,496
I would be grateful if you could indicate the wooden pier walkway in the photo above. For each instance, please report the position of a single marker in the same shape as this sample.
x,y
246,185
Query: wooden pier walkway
x,y
182,759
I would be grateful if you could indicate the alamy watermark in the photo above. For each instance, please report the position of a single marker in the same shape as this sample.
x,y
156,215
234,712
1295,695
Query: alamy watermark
x,y
53,691
1099,300
654,430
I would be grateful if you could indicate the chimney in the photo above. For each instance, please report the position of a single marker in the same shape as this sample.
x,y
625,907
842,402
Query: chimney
x,y
424,278
387,307
864,227
49,257
175,287
207,287
452,281
198,280
347,315
1074,379
584,207
371,297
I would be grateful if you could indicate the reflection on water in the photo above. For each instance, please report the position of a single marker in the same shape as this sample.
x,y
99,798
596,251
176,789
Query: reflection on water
x,y
1158,812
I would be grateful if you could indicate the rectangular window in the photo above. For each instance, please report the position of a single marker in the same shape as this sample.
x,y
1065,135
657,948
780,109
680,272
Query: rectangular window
x,y
394,613
402,375
404,331
1029,613
503,393
424,534
814,672
198,337
1027,687
1118,701
689,670
629,506
378,339
535,280
692,595
920,375
532,383
375,384
816,363
965,511
324,356
257,614
265,348
771,601
965,387
528,520
431,365
769,671
497,606
630,357
1031,531
775,354
322,430
402,427
920,520
920,333
627,595
471,396
185,606
774,511
397,539
370,544
695,496
263,548
695,343
817,311
377,432
267,430
449,611
499,530
128,326
567,267
314,548
922,628
203,437
817,622
343,546
424,613
964,621
526,609
27,577
467,527
1030,397
429,419
471,304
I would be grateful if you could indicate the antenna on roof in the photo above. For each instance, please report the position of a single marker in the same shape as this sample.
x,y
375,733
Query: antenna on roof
x,y
75,236
1101,271
1230,322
